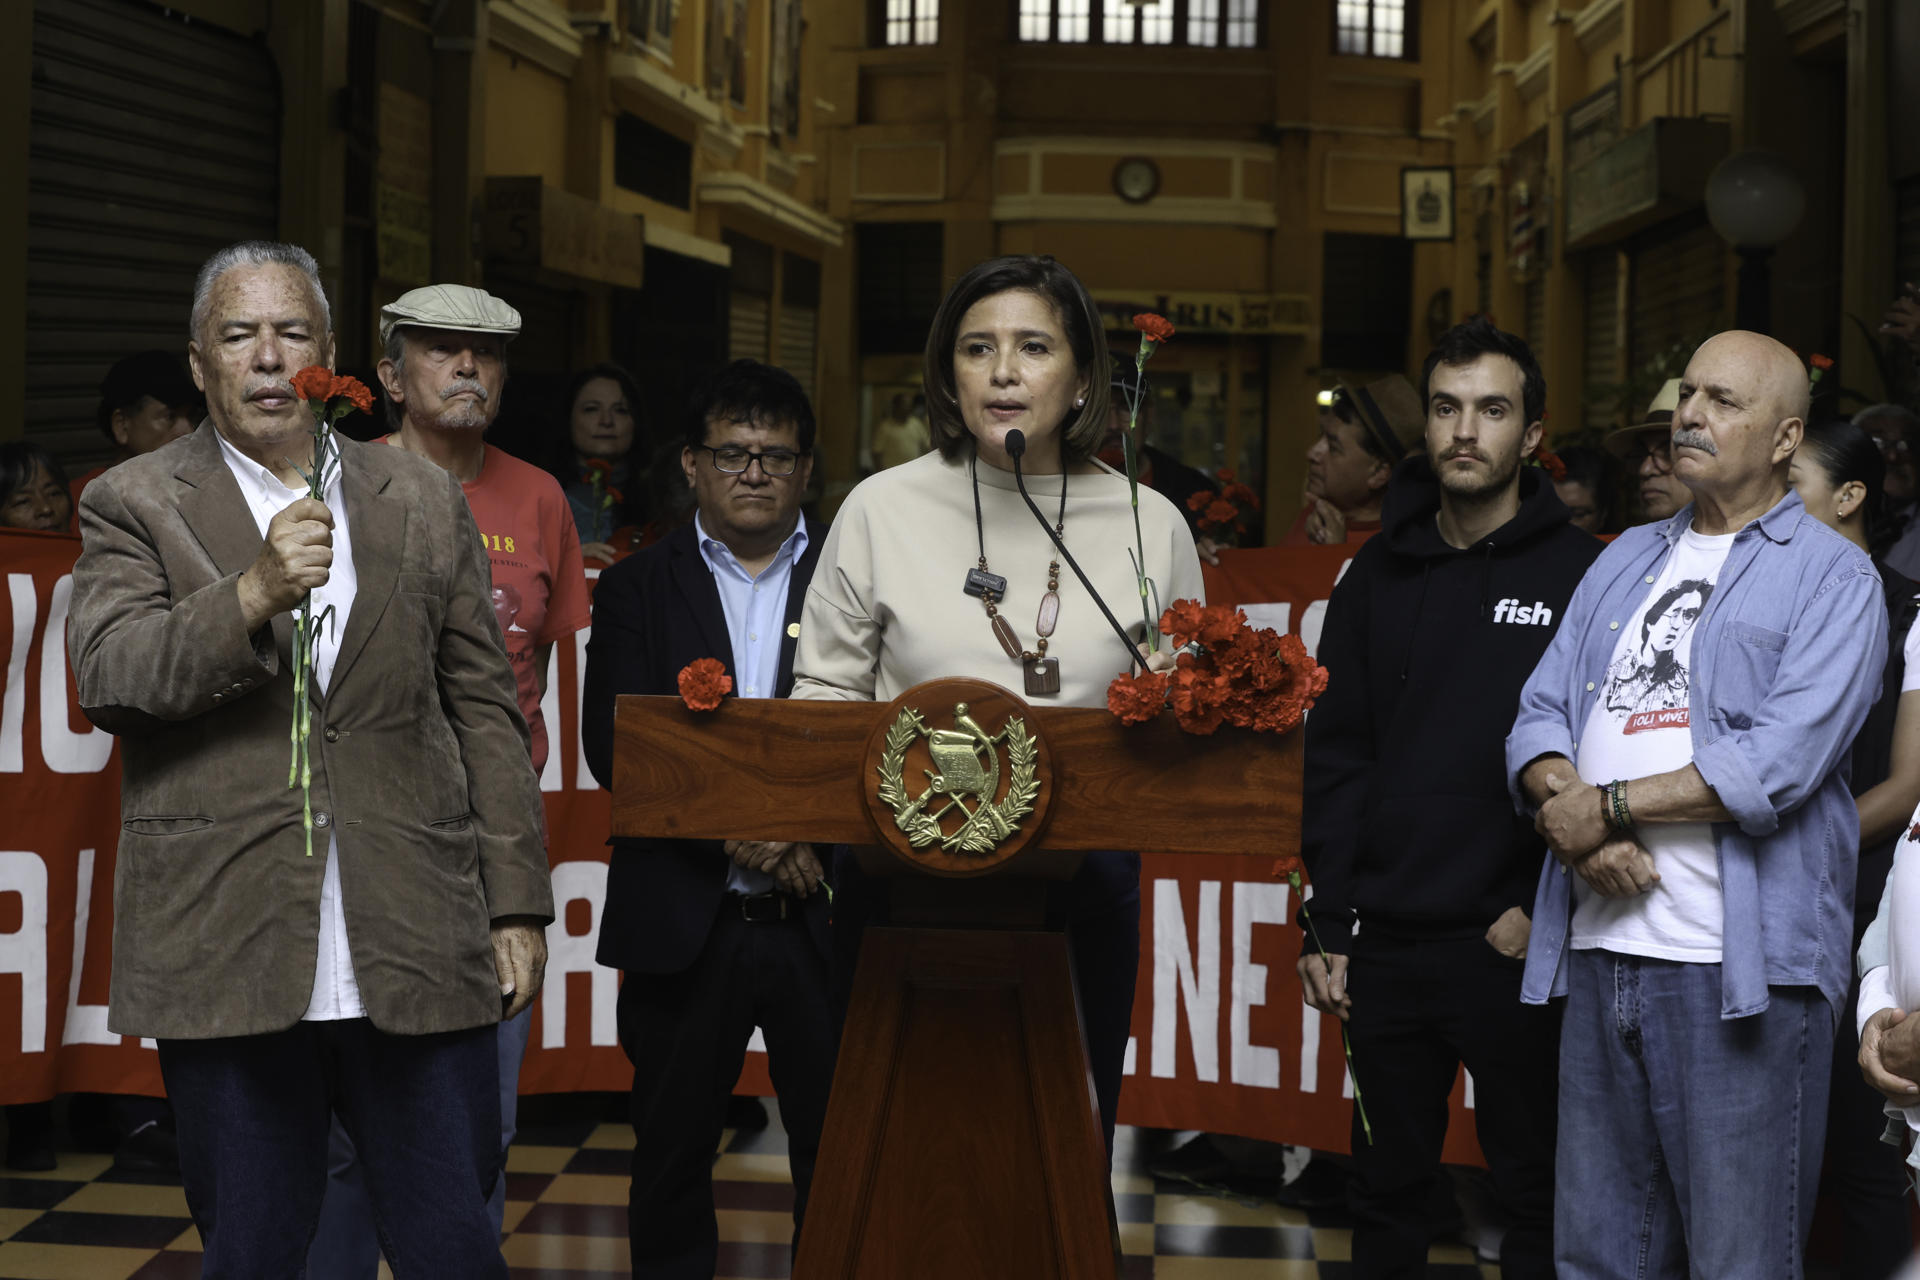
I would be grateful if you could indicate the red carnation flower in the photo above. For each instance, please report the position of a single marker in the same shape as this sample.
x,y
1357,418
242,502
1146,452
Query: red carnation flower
x,y
1220,513
1182,621
1152,327
703,683
355,391
1136,699
315,382
1199,695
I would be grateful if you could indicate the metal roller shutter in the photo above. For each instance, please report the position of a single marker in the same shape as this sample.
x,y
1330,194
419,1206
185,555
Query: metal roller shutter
x,y
797,329
1536,302
1679,291
749,317
1600,353
153,141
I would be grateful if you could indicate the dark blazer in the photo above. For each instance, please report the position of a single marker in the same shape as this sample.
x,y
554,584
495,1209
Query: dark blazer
x,y
419,754
653,613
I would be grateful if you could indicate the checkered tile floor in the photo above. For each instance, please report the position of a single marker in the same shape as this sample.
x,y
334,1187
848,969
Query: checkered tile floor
x,y
566,1214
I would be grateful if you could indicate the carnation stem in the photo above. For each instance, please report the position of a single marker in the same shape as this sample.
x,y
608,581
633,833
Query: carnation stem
x,y
1130,448
1346,1042
293,729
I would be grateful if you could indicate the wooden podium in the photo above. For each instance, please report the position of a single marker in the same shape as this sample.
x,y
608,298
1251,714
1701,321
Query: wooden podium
x,y
962,1139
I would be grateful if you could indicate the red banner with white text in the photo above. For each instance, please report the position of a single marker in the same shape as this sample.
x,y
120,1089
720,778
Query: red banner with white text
x,y
1221,1039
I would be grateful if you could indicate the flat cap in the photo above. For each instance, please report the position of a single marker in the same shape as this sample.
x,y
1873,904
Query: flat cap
x,y
449,306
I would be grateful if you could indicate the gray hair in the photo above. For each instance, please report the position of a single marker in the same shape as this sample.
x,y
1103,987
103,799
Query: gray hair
x,y
396,354
255,253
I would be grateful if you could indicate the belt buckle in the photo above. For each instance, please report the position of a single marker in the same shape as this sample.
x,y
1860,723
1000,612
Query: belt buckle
x,y
763,908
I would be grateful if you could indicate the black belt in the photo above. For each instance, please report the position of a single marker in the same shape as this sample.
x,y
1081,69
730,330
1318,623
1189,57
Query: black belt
x,y
765,908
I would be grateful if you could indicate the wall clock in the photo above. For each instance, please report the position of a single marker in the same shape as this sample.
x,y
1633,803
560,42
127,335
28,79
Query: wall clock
x,y
1136,179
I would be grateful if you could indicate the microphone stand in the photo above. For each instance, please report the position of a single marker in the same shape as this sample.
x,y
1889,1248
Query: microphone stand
x,y
1017,446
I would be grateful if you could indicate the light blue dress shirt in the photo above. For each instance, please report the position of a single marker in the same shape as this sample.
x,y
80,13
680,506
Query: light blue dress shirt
x,y
1786,661
756,612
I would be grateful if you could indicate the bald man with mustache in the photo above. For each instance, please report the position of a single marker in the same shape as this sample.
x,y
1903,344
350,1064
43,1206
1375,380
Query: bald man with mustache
x,y
1694,909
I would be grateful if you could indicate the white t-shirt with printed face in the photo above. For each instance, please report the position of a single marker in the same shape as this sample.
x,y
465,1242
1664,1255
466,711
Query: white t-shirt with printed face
x,y
1639,726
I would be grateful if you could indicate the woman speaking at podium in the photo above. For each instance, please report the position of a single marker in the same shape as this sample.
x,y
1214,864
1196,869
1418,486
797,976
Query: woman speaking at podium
x,y
937,568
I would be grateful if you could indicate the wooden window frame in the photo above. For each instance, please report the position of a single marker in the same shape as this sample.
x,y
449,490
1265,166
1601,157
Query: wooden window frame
x,y
877,25
1409,36
1096,27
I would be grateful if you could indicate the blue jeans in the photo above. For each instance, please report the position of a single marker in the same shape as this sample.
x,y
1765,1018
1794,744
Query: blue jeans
x,y
253,1113
1689,1144
345,1246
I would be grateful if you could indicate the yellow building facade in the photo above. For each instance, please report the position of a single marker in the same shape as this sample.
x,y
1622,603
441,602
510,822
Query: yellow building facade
x,y
668,183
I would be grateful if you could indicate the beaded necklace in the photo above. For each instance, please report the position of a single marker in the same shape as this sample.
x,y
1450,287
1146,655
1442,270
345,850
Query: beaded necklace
x,y
1042,674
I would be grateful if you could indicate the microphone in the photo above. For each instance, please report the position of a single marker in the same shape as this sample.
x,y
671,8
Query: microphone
x,y
1016,447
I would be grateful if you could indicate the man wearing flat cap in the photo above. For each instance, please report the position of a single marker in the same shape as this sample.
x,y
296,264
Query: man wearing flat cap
x,y
1647,449
1364,433
361,974
444,368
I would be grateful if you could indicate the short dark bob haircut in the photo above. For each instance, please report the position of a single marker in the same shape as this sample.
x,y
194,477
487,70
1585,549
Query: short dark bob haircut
x,y
1467,342
747,391
1080,435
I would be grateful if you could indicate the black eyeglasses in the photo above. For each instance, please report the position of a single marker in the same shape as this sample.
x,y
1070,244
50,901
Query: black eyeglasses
x,y
1659,450
734,460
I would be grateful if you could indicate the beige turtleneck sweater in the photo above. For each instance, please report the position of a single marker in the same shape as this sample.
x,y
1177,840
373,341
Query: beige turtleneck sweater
x,y
886,609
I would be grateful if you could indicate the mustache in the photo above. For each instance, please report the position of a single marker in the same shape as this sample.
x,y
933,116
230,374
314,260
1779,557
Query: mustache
x,y
1695,438
1463,452
459,385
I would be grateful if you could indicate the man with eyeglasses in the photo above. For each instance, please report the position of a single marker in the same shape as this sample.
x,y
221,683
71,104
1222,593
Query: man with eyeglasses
x,y
1896,430
714,938
1646,447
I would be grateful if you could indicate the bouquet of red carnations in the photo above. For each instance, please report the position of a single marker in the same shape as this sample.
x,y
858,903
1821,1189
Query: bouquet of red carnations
x,y
1233,674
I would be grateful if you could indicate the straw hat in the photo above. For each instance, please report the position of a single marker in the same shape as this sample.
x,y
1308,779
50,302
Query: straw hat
x,y
1659,417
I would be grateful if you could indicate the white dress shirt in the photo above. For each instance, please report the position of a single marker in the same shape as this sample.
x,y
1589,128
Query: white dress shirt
x,y
756,612
335,992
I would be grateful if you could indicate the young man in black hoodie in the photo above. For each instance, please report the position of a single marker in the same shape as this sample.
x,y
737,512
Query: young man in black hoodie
x,y
1422,874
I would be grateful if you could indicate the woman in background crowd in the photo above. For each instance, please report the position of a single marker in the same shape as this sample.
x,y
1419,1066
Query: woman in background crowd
x,y
33,489
601,463
1839,471
33,495
1589,488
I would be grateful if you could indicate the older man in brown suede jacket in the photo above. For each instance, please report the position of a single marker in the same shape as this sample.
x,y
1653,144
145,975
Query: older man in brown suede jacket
x,y
364,978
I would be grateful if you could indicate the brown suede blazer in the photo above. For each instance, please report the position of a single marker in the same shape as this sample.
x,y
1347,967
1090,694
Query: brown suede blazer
x,y
420,758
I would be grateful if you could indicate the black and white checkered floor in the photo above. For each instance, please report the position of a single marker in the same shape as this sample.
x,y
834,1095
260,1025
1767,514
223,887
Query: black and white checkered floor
x,y
566,1214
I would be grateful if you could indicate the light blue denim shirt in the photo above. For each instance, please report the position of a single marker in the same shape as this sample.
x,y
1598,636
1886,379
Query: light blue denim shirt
x,y
1787,659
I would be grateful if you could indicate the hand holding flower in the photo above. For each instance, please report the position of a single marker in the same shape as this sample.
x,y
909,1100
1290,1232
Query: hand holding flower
x,y
295,559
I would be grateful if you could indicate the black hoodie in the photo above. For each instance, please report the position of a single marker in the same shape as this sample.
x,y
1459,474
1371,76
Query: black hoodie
x,y
1407,820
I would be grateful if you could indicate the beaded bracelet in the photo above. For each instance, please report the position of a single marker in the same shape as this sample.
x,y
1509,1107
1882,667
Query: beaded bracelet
x,y
1614,807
